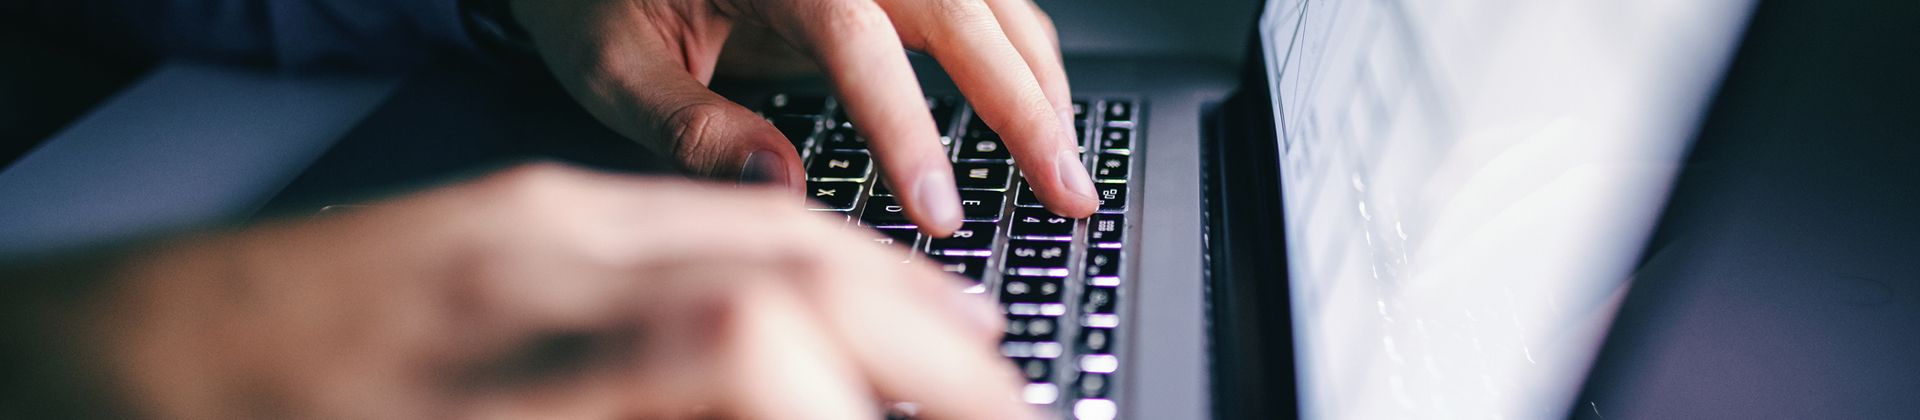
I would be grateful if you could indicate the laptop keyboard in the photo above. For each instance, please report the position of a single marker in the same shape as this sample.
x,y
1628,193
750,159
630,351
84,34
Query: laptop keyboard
x,y
1058,280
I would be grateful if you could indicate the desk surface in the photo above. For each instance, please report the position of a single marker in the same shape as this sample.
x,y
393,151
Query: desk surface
x,y
188,145
1785,279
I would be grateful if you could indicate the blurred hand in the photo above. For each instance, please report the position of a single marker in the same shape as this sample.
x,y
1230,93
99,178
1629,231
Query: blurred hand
x,y
550,292
642,68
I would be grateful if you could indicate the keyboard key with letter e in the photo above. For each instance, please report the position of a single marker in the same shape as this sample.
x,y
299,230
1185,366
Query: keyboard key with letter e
x,y
981,206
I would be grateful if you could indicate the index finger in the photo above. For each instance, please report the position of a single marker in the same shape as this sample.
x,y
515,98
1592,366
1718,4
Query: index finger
x,y
857,45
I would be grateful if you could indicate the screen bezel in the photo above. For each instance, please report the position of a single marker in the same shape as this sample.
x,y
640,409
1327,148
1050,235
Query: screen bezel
x,y
1251,328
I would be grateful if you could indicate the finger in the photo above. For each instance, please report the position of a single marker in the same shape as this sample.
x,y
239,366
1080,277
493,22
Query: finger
x,y
785,365
939,362
857,46
837,290
596,212
908,347
1031,32
968,40
644,89
976,312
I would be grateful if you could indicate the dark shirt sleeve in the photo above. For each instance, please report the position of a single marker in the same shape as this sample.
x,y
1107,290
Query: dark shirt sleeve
x,y
289,34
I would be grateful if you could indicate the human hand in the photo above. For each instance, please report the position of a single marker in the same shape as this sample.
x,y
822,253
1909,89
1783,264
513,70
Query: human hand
x,y
642,68
549,292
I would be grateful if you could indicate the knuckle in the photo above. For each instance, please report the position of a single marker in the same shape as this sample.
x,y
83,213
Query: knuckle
x,y
1033,118
856,17
690,129
528,192
962,9
733,313
1046,20
964,19
528,179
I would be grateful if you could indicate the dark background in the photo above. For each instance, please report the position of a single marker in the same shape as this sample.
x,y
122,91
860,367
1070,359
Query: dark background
x,y
1784,280
46,82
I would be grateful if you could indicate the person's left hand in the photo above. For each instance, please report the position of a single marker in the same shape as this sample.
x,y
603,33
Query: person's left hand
x,y
544,292
642,68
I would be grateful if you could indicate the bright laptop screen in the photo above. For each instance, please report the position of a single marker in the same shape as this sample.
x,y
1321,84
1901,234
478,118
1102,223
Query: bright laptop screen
x,y
1468,184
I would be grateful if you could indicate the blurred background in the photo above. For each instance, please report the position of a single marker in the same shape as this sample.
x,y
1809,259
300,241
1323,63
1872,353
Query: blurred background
x,y
49,76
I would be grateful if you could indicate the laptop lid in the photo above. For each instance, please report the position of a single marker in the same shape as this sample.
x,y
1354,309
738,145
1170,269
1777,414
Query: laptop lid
x,y
1466,185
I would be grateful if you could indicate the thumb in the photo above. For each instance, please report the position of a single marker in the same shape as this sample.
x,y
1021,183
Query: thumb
x,y
646,89
714,137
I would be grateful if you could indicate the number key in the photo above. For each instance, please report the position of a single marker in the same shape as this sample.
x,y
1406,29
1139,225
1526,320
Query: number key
x,y
798,130
1026,198
1094,385
1035,369
983,145
1098,300
944,110
1029,289
1116,140
790,104
1110,168
1096,340
971,267
1038,258
1113,197
1030,223
1119,111
1031,328
1106,230
902,235
843,139
1103,267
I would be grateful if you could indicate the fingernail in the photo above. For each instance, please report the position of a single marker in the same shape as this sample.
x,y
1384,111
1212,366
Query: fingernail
x,y
938,198
1073,176
764,167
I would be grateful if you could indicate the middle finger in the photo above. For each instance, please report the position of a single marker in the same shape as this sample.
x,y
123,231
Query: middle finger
x,y
970,42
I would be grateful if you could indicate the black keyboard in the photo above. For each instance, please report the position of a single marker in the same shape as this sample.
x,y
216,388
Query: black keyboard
x,y
1058,280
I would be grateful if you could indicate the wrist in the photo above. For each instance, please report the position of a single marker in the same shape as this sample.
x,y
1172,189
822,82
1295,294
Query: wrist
x,y
161,335
53,353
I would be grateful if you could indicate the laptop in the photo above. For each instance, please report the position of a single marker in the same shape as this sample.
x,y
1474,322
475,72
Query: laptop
x,y
1462,191
1397,210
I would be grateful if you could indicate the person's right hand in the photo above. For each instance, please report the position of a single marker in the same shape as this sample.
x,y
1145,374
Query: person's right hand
x,y
641,66
549,292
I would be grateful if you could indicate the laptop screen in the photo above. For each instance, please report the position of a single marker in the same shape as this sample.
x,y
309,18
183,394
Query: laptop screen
x,y
1467,186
